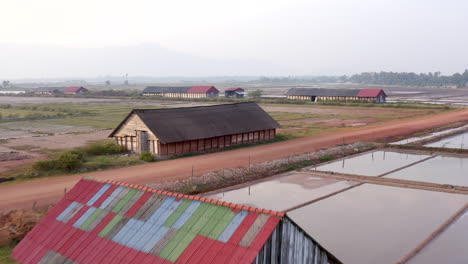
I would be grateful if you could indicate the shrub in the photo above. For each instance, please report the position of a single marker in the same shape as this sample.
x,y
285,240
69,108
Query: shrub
x,y
326,158
104,148
70,160
146,156
45,165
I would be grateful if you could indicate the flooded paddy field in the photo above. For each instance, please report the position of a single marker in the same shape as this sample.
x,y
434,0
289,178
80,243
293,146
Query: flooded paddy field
x,y
459,141
372,222
440,169
376,224
271,193
431,135
372,164
449,247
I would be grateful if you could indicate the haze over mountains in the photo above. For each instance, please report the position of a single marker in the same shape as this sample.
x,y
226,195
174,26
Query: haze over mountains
x,y
47,61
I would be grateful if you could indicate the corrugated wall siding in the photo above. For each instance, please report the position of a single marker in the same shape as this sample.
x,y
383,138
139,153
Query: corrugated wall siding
x,y
290,245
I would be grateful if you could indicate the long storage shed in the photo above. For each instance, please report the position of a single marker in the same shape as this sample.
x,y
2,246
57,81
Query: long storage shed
x,y
171,131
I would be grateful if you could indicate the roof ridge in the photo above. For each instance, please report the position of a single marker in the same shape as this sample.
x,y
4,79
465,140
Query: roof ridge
x,y
193,197
191,107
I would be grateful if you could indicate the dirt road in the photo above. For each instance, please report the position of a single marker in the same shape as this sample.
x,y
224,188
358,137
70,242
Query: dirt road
x,y
48,190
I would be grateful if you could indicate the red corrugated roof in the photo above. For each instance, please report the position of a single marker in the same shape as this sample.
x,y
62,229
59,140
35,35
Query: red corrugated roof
x,y
74,89
99,222
235,89
203,89
371,93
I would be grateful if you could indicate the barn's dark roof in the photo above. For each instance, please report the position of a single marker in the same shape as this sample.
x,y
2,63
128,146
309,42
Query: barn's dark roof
x,y
190,123
166,89
112,222
323,92
50,89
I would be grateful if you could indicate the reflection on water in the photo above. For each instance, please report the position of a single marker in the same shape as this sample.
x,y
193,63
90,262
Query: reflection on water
x,y
282,193
459,142
448,247
442,170
372,164
414,139
376,224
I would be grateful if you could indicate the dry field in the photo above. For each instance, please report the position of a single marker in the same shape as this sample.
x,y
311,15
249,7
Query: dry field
x,y
64,123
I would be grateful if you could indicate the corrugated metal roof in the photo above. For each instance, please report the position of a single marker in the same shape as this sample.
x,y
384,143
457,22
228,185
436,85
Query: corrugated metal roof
x,y
110,222
323,92
336,92
166,89
235,89
371,93
50,89
203,89
190,123
74,89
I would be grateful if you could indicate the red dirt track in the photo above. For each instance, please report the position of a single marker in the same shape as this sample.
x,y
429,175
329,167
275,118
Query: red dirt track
x,y
47,191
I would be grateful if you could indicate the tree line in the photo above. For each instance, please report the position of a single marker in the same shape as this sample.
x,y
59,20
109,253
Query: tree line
x,y
411,78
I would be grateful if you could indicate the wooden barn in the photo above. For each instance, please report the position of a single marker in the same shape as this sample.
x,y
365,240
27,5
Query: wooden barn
x,y
234,93
49,90
76,90
319,94
182,92
173,131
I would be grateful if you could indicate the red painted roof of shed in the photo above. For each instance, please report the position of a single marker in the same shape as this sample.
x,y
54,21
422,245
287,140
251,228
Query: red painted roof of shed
x,y
203,89
371,93
74,89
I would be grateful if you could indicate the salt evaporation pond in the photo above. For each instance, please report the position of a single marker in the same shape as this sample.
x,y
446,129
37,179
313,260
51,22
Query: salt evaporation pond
x,y
448,247
414,139
372,164
282,192
374,223
441,169
458,142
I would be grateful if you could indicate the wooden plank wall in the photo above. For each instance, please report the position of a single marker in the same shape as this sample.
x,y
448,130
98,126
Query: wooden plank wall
x,y
215,143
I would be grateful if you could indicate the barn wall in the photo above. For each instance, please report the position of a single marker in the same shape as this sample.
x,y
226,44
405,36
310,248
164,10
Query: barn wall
x,y
289,244
127,136
215,143
336,98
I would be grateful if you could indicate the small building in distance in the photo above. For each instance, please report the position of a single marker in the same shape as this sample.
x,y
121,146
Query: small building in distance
x,y
174,131
234,93
114,222
76,90
320,94
182,92
49,90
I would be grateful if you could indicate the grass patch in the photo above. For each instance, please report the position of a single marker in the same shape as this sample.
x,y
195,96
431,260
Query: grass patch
x,y
5,253
103,154
3,141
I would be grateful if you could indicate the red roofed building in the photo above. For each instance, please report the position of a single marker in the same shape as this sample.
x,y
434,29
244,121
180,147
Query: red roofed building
x,y
234,92
112,222
374,94
76,90
182,92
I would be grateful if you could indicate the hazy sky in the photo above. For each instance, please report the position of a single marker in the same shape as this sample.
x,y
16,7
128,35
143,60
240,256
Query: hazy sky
x,y
303,37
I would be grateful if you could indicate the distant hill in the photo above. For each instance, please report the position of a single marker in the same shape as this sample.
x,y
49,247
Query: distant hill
x,y
43,61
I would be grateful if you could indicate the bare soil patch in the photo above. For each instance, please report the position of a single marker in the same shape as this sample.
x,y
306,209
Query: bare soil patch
x,y
47,191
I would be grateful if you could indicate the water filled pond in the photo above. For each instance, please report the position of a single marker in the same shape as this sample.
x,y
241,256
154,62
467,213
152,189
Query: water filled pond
x,y
282,192
458,141
448,247
441,169
414,139
376,224
372,164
